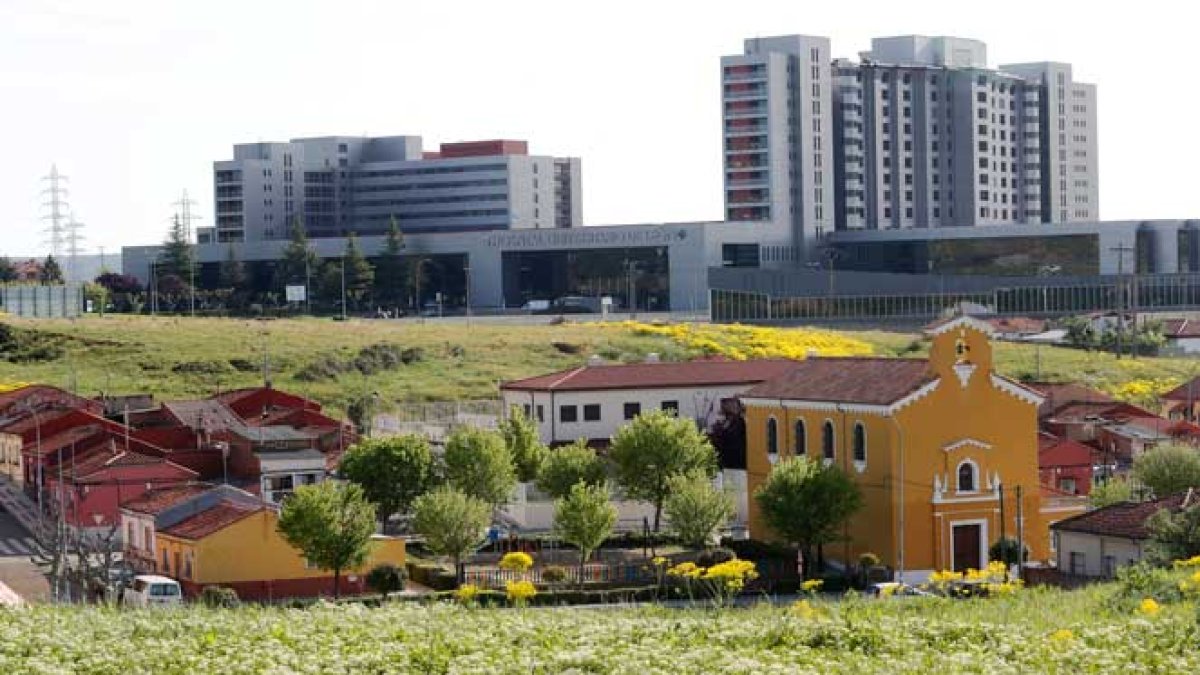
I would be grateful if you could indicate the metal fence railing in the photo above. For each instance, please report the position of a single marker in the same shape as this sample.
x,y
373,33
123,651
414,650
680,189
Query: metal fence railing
x,y
625,573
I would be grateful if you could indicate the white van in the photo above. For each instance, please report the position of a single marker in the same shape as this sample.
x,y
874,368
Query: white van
x,y
150,590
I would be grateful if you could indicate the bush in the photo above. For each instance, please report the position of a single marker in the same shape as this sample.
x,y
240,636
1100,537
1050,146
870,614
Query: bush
x,y
1005,550
431,576
387,578
412,355
868,560
715,556
324,368
753,549
554,575
219,596
201,367
1143,580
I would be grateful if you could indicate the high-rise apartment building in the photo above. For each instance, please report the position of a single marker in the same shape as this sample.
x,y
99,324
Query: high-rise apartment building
x,y
337,185
919,132
779,135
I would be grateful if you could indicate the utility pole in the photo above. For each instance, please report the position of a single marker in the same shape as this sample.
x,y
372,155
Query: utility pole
x,y
186,215
72,238
1000,491
1020,536
1120,250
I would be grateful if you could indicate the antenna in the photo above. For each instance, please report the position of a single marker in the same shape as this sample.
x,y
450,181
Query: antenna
x,y
186,216
56,195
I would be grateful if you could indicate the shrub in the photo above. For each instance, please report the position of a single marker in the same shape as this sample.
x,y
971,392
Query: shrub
x,y
1141,580
519,593
715,556
243,365
412,355
1005,550
387,578
516,562
219,596
201,367
554,575
868,560
431,576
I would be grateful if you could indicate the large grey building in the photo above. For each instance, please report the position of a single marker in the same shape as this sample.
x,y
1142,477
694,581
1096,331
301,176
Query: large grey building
x,y
918,133
341,184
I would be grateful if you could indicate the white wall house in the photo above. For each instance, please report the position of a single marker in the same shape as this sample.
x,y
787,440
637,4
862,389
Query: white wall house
x,y
595,400
1095,544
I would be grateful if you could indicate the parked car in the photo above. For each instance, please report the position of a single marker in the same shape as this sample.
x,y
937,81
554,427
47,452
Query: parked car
x,y
150,590
894,589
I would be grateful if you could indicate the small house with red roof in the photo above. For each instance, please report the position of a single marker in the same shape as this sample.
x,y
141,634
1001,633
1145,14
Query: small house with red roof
x,y
1182,337
1096,543
1064,464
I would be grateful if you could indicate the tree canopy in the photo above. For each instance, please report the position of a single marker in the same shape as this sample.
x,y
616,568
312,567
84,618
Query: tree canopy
x,y
477,462
392,471
298,262
655,447
392,278
1109,492
568,465
1167,469
696,510
524,444
360,275
331,523
51,271
806,502
1174,536
177,256
453,523
585,518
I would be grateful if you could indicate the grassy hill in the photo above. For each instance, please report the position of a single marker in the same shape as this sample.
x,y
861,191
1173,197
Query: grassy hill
x,y
1035,631
408,361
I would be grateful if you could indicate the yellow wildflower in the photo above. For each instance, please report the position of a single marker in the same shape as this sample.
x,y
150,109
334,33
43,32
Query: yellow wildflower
x,y
1193,561
812,585
516,562
804,610
659,561
519,592
1062,635
466,593
1149,607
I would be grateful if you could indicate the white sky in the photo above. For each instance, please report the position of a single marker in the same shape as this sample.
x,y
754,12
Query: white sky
x,y
135,99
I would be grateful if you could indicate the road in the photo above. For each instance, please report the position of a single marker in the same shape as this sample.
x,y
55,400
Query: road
x,y
15,542
17,571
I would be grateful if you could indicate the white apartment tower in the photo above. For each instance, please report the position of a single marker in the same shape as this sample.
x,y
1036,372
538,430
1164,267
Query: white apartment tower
x,y
778,137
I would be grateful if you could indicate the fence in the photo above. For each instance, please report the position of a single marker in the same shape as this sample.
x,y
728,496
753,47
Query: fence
x,y
626,573
36,301
437,419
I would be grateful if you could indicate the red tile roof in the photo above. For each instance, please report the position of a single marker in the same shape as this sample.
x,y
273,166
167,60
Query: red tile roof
x,y
1188,391
1126,520
213,519
866,380
1055,451
1058,395
1017,324
1110,411
656,375
1181,328
102,457
154,502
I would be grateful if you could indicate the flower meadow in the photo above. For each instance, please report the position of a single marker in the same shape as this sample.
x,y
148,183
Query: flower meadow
x,y
1029,632
740,342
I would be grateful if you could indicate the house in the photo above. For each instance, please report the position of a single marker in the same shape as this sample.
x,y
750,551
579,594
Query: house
x,y
1183,402
937,446
227,537
1058,395
1096,543
137,520
1065,465
1182,337
95,484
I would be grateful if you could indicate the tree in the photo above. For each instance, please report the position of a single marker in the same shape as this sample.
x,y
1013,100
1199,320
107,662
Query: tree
x,y
360,276
387,578
696,510
806,502
298,262
568,465
392,471
1167,469
453,523
1174,536
1113,491
1005,550
328,285
331,523
392,278
177,257
478,463
119,283
51,273
653,448
585,518
524,444
7,271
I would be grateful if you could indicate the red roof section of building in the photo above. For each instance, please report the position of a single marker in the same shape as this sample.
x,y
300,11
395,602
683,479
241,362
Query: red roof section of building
x,y
1187,392
483,149
1055,451
657,375
210,520
154,502
866,380
1059,394
1126,520
1181,328
1017,324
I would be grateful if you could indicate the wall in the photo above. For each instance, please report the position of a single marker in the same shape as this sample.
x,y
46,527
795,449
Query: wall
x,y
102,494
1094,548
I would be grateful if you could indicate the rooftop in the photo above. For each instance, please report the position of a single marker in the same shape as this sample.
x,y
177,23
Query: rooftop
x,y
656,375
154,502
1126,520
865,380
213,519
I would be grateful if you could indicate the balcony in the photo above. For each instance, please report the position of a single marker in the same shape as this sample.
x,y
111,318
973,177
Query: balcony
x,y
743,163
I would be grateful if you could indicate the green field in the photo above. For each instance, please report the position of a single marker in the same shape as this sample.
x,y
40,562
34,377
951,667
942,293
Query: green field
x,y
1035,631
175,357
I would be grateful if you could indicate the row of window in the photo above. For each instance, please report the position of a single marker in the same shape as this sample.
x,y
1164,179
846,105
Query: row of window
x,y
592,412
827,440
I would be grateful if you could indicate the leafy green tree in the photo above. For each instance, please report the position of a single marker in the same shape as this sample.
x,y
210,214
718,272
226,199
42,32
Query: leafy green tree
x,y
392,278
524,444
585,518
453,523
1167,469
478,463
392,471
1174,536
568,465
51,272
177,256
360,275
1113,491
299,263
806,502
331,523
696,509
328,282
652,449
387,578
1080,333
7,271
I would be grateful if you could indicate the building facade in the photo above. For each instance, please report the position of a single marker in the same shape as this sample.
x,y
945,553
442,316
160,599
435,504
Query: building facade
x,y
341,184
934,445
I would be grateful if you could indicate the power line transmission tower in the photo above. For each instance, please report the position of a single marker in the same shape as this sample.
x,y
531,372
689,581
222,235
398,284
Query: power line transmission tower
x,y
71,241
186,215
55,195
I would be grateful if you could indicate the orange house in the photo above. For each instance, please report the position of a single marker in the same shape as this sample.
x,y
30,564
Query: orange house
x,y
940,447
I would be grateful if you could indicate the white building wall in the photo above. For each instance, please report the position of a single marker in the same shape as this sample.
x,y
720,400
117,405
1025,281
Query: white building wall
x,y
1094,549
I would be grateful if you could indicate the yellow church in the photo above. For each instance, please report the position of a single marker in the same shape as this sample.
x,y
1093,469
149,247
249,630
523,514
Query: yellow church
x,y
937,446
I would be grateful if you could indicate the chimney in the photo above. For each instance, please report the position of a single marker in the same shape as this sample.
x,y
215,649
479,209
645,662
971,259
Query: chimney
x,y
595,360
652,357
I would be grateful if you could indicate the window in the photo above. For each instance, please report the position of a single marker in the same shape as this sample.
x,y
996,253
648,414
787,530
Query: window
x,y
568,413
541,413
827,440
966,477
1078,563
860,443
801,439
1108,566
591,412
528,411
632,410
671,407
1067,485
772,437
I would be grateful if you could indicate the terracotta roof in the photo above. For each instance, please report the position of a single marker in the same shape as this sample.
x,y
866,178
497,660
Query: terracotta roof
x,y
1181,328
154,502
1055,451
1188,391
656,375
206,414
1126,520
1059,394
1109,411
866,380
213,519
101,457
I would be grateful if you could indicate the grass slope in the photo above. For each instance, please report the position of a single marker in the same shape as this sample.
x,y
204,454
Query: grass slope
x,y
1037,631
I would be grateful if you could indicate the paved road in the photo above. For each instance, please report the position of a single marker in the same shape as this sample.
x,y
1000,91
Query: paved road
x,y
15,541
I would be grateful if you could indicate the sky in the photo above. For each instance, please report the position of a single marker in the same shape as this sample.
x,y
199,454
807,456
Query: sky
x,y
134,100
